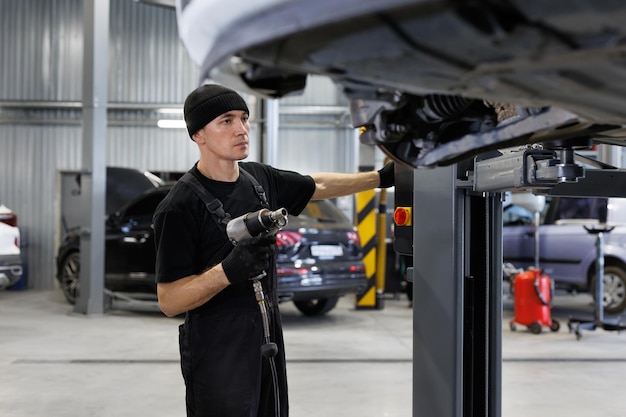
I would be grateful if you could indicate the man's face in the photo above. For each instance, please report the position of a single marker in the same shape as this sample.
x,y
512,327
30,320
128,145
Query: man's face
x,y
226,136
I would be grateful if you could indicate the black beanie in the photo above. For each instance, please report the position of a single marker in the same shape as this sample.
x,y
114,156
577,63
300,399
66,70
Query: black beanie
x,y
207,102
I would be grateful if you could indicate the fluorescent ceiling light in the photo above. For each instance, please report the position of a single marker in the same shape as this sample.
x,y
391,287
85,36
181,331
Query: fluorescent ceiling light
x,y
169,4
170,111
171,124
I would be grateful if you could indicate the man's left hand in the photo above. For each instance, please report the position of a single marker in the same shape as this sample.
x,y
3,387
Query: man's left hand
x,y
387,175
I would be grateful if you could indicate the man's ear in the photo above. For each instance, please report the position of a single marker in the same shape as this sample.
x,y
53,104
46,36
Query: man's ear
x,y
197,137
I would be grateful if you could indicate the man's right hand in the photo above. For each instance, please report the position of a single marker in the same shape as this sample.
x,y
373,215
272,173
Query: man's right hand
x,y
248,259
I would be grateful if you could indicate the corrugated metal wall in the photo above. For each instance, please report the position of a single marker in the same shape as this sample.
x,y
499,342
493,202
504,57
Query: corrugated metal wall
x,y
315,133
41,48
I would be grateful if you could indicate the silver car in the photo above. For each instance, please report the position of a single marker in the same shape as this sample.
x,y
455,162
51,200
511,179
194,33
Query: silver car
x,y
567,252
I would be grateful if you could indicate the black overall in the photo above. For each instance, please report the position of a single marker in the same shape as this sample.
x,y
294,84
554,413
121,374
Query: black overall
x,y
221,363
220,342
233,334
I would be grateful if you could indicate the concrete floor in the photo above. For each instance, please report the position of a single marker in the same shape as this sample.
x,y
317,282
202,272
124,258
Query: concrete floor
x,y
56,363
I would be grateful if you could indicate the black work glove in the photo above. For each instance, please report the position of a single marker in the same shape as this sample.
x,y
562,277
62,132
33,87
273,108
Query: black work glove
x,y
248,259
387,175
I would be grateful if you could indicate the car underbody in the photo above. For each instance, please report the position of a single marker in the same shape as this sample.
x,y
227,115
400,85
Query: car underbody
x,y
435,82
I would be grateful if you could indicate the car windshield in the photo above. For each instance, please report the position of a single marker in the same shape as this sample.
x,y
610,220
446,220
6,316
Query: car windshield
x,y
558,211
321,211
140,212
581,208
514,215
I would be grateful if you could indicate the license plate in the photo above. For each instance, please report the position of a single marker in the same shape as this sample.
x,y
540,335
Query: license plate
x,y
307,282
325,251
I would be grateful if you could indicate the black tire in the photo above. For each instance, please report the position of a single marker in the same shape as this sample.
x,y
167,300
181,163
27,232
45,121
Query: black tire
x,y
316,307
555,326
614,289
69,276
535,327
409,290
512,326
406,263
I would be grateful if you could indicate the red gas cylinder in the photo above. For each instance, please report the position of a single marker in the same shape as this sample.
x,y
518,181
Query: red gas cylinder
x,y
533,292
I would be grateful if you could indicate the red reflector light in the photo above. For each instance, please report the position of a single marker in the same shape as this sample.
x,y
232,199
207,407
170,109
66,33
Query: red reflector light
x,y
291,271
402,216
9,218
287,238
357,268
353,237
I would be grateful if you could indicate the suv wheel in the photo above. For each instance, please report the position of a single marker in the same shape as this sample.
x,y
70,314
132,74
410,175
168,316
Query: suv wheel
x,y
409,290
316,307
69,276
614,289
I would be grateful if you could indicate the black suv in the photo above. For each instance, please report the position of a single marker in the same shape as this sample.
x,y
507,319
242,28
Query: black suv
x,y
319,255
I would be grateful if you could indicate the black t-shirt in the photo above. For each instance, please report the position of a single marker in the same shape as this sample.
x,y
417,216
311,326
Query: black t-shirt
x,y
188,237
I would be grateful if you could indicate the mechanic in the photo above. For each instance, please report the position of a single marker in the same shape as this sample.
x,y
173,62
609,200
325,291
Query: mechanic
x,y
200,273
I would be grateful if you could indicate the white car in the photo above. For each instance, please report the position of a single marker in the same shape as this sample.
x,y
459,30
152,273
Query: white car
x,y
10,255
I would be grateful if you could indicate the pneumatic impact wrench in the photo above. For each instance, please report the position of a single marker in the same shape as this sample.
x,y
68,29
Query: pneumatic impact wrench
x,y
253,225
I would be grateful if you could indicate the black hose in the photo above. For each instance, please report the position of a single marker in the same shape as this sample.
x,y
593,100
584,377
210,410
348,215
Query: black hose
x,y
268,349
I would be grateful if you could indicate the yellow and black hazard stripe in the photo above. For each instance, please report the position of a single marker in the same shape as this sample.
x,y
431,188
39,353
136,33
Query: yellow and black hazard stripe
x,y
366,226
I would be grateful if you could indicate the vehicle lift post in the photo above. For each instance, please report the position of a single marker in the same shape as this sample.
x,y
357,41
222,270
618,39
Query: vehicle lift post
x,y
457,279
457,296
